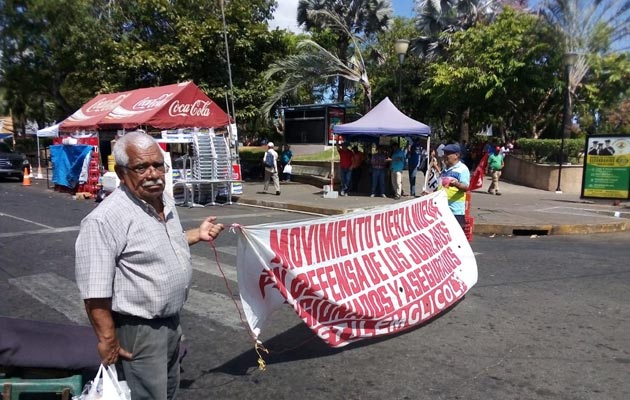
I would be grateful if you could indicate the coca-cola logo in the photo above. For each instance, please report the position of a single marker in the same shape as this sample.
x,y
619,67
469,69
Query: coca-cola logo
x,y
148,103
106,104
199,108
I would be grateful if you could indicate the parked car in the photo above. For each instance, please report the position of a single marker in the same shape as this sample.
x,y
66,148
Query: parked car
x,y
12,164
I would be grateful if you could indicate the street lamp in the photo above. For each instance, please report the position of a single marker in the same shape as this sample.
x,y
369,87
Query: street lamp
x,y
569,59
401,47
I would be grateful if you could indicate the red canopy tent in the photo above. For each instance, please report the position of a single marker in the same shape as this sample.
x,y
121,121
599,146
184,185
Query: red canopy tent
x,y
181,105
89,115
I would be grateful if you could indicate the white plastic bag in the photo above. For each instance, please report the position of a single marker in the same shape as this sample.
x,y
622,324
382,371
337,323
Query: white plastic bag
x,y
105,386
287,169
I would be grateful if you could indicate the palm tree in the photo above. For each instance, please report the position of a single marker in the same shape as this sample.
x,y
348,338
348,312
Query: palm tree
x,y
313,63
438,20
588,27
352,18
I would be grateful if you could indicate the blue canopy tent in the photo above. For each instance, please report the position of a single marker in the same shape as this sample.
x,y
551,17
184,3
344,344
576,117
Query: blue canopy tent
x,y
383,120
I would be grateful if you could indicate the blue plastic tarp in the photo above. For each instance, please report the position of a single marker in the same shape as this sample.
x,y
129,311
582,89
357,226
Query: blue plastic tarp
x,y
67,163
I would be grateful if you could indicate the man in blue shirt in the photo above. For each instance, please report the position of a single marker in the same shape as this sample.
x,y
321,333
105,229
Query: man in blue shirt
x,y
396,167
455,178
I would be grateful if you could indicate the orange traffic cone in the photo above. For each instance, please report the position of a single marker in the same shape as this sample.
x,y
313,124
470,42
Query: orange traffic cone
x,y
27,178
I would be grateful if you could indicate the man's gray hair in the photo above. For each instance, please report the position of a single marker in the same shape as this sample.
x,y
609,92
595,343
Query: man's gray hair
x,y
137,138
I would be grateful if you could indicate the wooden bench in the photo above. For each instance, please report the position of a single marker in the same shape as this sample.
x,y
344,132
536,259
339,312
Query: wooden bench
x,y
311,174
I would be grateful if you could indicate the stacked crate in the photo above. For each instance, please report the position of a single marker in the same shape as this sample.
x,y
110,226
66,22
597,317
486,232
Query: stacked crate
x,y
211,163
94,176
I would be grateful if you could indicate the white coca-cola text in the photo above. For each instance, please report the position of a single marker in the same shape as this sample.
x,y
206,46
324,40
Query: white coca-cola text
x,y
148,103
199,108
106,104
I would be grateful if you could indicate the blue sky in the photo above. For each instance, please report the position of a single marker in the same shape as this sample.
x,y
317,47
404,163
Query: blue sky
x,y
403,8
287,10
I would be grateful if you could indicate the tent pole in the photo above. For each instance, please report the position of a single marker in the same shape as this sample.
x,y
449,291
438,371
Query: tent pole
x,y
39,160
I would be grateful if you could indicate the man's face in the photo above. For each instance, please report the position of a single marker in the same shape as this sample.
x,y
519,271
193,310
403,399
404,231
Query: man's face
x,y
451,159
144,175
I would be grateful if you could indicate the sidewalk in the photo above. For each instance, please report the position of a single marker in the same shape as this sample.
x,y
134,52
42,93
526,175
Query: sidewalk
x,y
519,211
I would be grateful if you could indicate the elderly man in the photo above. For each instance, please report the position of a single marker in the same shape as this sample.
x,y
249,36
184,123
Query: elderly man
x,y
455,178
270,161
133,268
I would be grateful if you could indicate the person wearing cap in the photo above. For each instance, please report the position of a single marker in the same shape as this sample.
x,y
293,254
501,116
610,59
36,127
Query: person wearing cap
x,y
270,160
455,178
345,165
495,165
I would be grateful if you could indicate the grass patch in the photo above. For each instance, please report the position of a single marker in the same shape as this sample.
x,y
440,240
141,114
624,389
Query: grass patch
x,y
321,156
255,153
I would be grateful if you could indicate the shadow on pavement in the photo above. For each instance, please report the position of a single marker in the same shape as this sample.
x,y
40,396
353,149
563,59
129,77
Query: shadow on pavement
x,y
300,343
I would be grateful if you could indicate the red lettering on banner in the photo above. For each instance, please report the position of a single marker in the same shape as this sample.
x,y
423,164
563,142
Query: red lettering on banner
x,y
350,284
393,289
368,275
397,258
361,279
294,252
306,243
372,268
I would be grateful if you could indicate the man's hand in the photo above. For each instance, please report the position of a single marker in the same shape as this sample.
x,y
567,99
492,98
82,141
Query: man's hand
x,y
100,315
110,350
206,232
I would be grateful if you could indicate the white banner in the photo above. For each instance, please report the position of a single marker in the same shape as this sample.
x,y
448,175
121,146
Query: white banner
x,y
358,275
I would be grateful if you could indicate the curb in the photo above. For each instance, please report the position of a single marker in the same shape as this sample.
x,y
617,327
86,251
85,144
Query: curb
x,y
291,207
541,230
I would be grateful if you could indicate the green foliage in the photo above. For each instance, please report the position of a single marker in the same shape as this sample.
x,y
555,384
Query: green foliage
x,y
251,153
548,150
71,50
503,72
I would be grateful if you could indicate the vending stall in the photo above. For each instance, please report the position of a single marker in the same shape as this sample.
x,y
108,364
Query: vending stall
x,y
184,121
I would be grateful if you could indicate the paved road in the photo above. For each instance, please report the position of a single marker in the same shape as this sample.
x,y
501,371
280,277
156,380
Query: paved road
x,y
548,319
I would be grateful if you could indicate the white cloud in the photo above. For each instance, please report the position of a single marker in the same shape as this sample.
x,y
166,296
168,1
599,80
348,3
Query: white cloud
x,y
285,16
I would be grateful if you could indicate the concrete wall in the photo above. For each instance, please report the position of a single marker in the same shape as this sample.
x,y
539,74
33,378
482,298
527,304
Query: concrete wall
x,y
542,176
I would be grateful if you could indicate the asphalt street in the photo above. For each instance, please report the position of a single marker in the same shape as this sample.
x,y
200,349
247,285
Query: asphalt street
x,y
548,319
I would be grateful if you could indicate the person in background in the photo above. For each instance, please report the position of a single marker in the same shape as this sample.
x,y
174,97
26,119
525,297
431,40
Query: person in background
x,y
466,156
133,269
356,168
416,157
377,163
345,164
396,168
285,159
495,165
439,151
270,161
455,178
432,174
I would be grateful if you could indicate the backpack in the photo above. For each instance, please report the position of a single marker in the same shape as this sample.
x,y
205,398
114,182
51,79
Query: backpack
x,y
269,160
